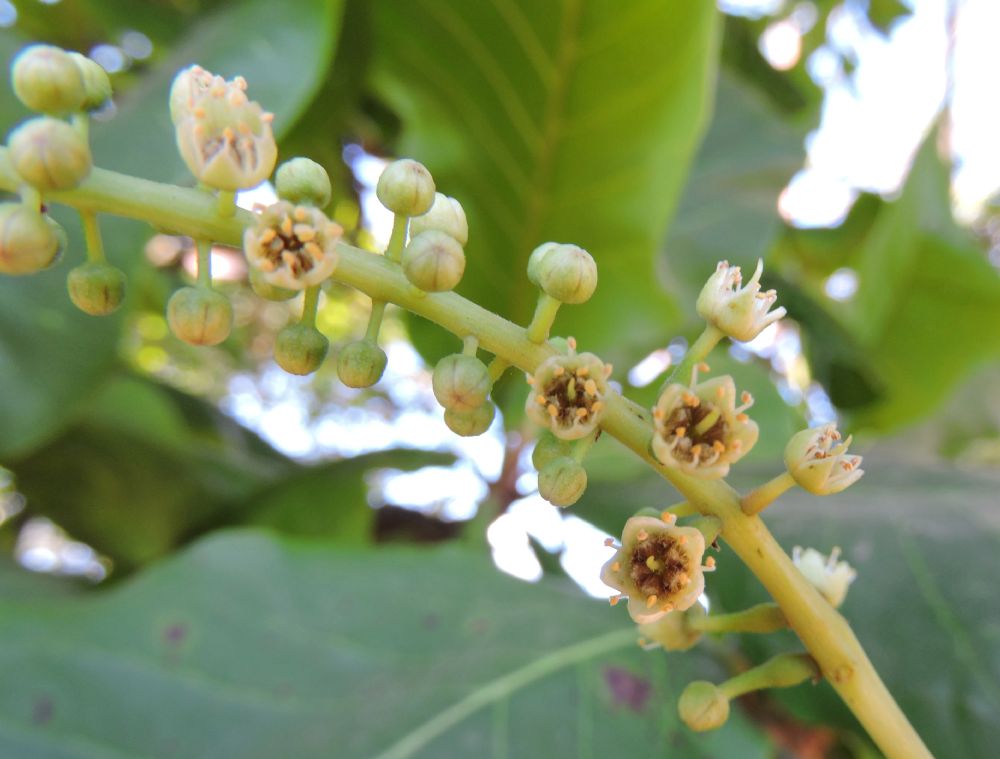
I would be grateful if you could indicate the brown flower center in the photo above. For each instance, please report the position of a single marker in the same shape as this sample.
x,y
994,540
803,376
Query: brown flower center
x,y
571,395
696,430
660,566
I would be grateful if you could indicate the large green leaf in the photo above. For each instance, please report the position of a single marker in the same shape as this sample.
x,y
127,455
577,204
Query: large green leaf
x,y
573,122
930,625
926,312
729,208
247,646
52,357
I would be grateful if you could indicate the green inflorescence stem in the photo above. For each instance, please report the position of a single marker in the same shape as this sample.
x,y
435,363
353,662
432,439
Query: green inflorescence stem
x,y
823,631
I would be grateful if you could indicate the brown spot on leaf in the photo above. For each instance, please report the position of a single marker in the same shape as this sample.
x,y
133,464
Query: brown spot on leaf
x,y
42,710
628,690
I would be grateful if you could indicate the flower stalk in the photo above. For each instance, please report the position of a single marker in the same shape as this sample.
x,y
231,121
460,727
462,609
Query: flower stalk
x,y
824,632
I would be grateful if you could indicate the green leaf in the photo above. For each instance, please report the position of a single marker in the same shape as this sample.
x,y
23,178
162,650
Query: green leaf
x,y
729,208
330,500
573,123
144,474
254,647
930,625
926,313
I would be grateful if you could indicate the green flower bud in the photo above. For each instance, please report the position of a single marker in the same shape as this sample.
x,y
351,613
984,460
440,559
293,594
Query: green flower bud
x,y
49,154
199,316
535,261
96,84
470,423
301,180
548,449
562,481
673,631
703,706
406,187
263,288
28,241
446,215
224,138
460,382
96,288
361,363
434,261
567,273
300,349
46,79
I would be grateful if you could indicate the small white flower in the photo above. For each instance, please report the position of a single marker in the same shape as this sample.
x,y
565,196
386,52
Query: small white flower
x,y
568,394
740,313
658,568
292,246
700,429
224,138
818,461
828,575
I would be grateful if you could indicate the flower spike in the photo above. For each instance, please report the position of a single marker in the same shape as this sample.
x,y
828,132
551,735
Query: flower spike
x,y
742,313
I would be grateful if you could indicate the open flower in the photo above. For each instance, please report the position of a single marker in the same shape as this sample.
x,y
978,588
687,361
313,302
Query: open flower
x,y
700,429
224,138
292,246
568,394
658,568
828,575
817,460
740,313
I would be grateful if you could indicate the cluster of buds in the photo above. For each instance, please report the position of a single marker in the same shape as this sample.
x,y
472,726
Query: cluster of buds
x,y
742,313
462,384
51,154
699,429
224,137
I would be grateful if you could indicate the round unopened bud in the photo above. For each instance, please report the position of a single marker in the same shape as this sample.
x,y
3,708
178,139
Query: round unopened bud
x,y
303,181
535,261
434,261
28,242
703,706
263,288
361,363
300,349
46,79
461,382
446,215
199,316
96,288
568,274
406,187
96,84
562,482
470,423
548,449
49,154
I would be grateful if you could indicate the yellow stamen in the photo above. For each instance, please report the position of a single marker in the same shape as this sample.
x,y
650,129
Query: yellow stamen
x,y
651,601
